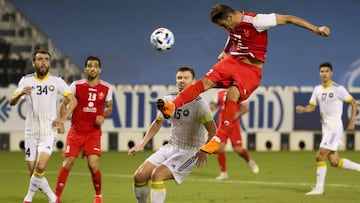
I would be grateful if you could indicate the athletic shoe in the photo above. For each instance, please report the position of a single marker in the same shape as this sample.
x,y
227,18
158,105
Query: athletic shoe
x,y
211,147
27,202
254,167
166,108
222,176
316,191
98,199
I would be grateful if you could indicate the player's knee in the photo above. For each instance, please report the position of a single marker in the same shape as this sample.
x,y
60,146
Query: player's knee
x,y
68,162
140,177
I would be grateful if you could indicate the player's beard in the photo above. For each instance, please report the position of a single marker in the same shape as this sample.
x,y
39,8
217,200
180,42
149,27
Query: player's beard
x,y
42,71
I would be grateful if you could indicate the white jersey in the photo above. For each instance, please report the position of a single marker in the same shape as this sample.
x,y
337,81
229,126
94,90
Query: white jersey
x,y
330,101
41,103
187,130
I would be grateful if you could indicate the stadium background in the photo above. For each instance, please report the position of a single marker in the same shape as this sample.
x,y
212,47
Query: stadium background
x,y
118,32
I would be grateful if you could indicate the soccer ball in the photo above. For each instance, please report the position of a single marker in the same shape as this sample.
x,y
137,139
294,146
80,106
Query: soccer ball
x,y
162,39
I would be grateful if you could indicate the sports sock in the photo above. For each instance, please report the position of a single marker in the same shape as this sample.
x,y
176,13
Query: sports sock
x,y
141,191
189,94
229,112
96,178
45,188
61,180
347,164
245,154
35,181
221,157
158,192
321,169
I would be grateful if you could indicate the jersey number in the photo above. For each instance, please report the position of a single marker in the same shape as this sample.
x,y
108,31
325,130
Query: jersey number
x,y
92,96
41,90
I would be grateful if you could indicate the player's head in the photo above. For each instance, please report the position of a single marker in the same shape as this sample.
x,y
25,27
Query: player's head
x,y
92,67
326,71
41,62
326,64
223,15
185,76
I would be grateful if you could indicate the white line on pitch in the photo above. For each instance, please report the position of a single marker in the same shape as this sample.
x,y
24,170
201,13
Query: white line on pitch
x,y
199,179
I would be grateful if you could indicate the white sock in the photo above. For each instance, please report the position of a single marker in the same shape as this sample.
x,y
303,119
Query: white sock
x,y
33,187
158,192
45,188
158,196
347,164
141,193
321,174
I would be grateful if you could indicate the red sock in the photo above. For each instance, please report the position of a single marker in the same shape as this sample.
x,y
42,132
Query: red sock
x,y
221,157
189,94
61,180
96,178
245,154
226,119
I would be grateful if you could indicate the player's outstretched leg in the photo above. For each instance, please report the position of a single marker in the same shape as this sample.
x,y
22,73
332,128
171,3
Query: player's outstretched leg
x,y
166,108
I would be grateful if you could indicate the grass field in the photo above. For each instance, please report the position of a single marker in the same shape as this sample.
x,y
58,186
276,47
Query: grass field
x,y
284,177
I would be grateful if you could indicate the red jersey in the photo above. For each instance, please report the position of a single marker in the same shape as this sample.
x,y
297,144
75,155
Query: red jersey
x,y
250,37
91,102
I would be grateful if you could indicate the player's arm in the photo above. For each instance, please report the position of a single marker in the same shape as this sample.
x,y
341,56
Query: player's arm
x,y
17,95
243,110
226,50
150,133
67,106
354,110
99,120
284,19
305,109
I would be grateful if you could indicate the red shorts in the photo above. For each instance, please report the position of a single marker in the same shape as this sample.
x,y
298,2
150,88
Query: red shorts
x,y
89,143
232,72
233,133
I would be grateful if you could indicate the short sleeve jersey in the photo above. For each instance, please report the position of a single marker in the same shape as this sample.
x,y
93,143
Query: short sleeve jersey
x,y
250,37
330,101
187,130
91,103
41,103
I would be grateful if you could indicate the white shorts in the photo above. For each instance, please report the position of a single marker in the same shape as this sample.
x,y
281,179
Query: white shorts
x,y
33,146
331,141
179,161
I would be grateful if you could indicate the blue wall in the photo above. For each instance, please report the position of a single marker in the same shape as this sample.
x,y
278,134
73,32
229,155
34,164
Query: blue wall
x,y
118,31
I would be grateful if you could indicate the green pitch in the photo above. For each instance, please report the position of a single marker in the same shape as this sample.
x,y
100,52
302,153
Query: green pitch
x,y
284,177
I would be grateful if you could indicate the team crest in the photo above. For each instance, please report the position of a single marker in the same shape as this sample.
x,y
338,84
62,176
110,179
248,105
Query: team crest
x,y
246,33
51,88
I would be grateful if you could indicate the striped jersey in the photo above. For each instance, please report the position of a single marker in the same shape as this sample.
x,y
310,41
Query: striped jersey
x,y
187,130
330,101
41,103
91,102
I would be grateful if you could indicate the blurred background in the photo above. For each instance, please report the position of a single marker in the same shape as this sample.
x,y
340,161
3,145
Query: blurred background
x,y
119,32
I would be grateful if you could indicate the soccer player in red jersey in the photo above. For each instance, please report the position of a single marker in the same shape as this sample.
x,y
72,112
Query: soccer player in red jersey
x,y
94,105
233,134
240,64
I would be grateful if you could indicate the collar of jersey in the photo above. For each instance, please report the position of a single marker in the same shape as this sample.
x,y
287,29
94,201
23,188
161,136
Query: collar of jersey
x,y
330,85
41,80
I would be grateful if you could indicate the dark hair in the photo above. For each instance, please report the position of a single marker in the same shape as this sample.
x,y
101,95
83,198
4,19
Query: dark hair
x,y
326,64
93,58
220,12
41,51
186,68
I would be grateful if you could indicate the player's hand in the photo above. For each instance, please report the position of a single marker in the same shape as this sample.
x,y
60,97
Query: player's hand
x,y
135,149
222,55
61,128
26,90
201,158
300,109
351,126
99,120
323,31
